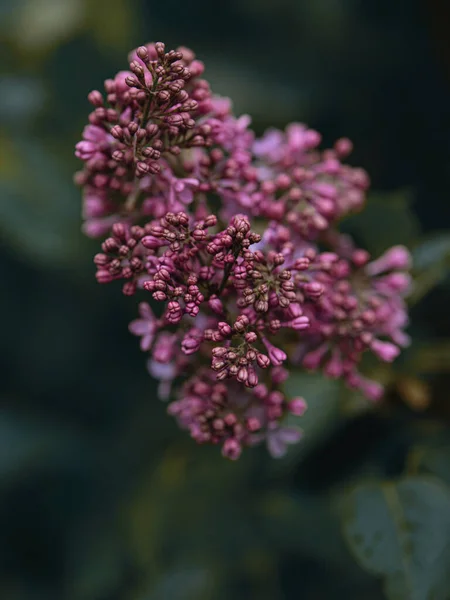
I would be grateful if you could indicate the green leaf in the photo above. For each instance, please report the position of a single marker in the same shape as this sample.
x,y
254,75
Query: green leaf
x,y
401,532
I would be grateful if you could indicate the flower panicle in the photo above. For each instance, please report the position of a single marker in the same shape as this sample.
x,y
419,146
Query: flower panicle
x,y
221,234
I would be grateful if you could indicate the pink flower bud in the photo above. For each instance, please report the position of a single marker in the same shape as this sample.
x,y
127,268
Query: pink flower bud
x,y
343,147
276,355
151,242
253,424
297,406
396,258
103,276
242,375
252,379
224,329
241,323
397,282
313,289
360,257
294,309
231,449
385,350
301,264
159,296
300,323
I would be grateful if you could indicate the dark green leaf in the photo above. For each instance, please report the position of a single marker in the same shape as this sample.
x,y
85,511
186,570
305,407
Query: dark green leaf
x,y
401,532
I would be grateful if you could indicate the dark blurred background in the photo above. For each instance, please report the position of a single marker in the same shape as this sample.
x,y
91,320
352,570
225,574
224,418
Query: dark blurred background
x,y
101,497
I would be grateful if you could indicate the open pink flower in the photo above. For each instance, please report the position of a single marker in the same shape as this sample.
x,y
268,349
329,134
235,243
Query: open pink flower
x,y
280,437
145,327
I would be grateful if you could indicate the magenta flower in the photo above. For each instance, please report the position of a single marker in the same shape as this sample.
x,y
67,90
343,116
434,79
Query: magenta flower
x,y
225,231
180,191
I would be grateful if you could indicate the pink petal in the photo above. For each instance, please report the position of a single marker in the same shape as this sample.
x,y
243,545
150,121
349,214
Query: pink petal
x,y
290,435
146,342
139,327
145,311
275,446
159,370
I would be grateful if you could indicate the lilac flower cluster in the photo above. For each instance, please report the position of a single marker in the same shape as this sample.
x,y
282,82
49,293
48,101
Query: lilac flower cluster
x,y
234,239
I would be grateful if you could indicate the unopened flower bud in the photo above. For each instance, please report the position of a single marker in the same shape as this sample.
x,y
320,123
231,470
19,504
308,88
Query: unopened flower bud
x,y
95,98
142,52
297,406
132,82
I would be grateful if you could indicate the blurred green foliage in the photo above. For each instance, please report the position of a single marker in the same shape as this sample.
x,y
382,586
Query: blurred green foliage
x,y
101,497
400,531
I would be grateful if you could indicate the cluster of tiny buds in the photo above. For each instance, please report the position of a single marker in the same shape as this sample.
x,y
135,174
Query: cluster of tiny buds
x,y
121,258
237,362
173,229
207,409
148,113
236,238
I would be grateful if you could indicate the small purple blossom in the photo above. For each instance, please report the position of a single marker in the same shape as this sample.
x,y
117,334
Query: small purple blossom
x,y
145,327
279,438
